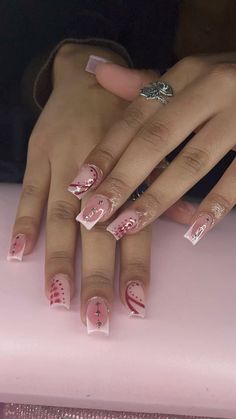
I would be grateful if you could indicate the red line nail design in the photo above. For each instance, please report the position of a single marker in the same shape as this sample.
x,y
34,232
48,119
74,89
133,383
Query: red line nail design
x,y
88,178
127,221
135,299
60,291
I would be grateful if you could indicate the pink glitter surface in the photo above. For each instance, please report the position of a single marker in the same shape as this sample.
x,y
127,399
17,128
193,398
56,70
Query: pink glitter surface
x,y
45,412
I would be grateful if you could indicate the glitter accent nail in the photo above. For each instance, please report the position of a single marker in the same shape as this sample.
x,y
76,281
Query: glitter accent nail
x,y
17,247
199,228
88,178
95,209
135,299
60,291
92,63
97,316
126,221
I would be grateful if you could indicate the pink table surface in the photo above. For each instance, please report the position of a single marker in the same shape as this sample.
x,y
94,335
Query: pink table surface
x,y
181,359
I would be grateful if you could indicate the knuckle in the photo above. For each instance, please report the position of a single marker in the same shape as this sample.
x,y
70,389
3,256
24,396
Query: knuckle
x,y
60,257
191,62
224,73
153,203
117,186
137,268
156,136
61,210
26,223
104,156
30,191
133,117
219,203
194,159
98,279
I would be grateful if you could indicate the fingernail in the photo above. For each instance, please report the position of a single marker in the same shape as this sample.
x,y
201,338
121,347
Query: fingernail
x,y
60,291
127,221
97,316
17,247
94,210
135,299
88,178
199,228
93,62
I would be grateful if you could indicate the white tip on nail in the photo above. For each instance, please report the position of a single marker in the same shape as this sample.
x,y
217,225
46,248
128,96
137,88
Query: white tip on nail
x,y
92,63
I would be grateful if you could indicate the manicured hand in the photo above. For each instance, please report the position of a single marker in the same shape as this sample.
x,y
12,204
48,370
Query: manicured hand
x,y
204,103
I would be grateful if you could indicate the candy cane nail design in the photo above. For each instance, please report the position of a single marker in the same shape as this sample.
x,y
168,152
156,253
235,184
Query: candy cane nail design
x,y
88,178
60,291
94,210
127,221
199,228
17,247
135,299
97,316
92,63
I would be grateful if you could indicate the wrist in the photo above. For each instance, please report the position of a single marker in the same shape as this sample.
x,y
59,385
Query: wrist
x,y
71,60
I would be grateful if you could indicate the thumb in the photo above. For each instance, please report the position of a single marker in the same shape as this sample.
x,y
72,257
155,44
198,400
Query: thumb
x,y
123,82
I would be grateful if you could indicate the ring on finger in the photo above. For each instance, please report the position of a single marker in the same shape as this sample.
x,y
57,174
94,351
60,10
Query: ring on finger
x,y
158,90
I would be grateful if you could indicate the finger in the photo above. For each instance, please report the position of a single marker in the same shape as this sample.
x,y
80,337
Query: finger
x,y
98,262
215,206
105,155
181,212
135,271
61,232
30,208
123,82
195,160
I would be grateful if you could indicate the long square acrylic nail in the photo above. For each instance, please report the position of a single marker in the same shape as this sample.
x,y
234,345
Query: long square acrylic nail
x,y
17,247
135,299
60,291
124,223
199,228
97,316
95,209
92,63
88,178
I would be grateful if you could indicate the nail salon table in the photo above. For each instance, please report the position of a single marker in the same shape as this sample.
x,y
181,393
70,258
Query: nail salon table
x,y
179,360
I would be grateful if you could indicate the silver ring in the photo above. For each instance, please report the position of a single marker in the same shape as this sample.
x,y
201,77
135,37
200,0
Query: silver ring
x,y
158,90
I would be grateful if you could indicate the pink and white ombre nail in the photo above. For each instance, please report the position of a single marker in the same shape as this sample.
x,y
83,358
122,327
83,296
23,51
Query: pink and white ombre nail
x,y
92,63
17,247
94,210
126,222
135,299
60,291
87,179
97,316
199,228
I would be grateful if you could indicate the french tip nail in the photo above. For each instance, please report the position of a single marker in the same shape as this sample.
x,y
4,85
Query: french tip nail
x,y
88,178
60,291
92,63
17,248
199,228
124,223
97,316
94,211
135,299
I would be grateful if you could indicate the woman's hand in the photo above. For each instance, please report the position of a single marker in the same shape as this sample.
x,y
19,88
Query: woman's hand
x,y
205,103
75,119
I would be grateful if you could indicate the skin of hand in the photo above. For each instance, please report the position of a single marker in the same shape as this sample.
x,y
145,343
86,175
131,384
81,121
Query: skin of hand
x,y
76,117
204,102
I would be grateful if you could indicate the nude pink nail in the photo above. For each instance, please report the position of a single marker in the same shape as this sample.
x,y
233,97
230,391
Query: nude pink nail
x,y
94,210
60,291
126,222
97,316
92,63
17,247
88,178
199,228
135,299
